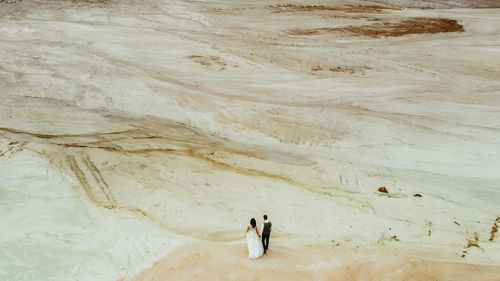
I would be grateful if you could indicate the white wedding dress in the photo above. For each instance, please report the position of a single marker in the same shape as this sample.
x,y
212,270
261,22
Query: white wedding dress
x,y
255,249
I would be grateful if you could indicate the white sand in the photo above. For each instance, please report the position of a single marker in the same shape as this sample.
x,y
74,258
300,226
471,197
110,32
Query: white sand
x,y
163,122
51,233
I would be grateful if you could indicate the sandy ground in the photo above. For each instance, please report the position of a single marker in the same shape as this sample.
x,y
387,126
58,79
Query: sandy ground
x,y
129,129
228,262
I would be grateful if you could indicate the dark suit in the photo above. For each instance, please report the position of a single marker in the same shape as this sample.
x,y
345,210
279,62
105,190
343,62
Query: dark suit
x,y
266,233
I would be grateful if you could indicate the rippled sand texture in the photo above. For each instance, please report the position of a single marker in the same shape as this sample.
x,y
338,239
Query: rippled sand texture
x,y
130,128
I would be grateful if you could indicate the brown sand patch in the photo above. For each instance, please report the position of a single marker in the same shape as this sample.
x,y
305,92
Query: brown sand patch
x,y
347,9
440,4
298,31
410,26
391,29
209,61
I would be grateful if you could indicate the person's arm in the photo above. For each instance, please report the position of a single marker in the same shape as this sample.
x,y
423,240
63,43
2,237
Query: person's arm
x,y
258,233
262,228
248,227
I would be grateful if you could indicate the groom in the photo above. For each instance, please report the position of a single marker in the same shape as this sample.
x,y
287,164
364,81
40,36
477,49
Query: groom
x,y
266,229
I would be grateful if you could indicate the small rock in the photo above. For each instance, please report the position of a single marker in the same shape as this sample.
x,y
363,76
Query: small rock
x,y
383,189
417,195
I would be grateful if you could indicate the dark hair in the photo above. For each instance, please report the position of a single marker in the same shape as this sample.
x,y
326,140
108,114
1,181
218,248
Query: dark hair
x,y
253,223
265,217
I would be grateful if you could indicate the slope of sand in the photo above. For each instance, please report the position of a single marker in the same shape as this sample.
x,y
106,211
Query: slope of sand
x,y
228,262
162,123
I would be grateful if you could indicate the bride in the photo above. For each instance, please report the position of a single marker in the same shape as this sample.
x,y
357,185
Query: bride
x,y
253,239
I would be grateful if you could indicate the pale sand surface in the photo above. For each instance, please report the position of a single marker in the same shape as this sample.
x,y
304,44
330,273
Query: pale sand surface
x,y
132,128
228,262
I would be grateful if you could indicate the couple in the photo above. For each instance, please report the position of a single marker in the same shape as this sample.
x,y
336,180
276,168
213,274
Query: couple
x,y
255,249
